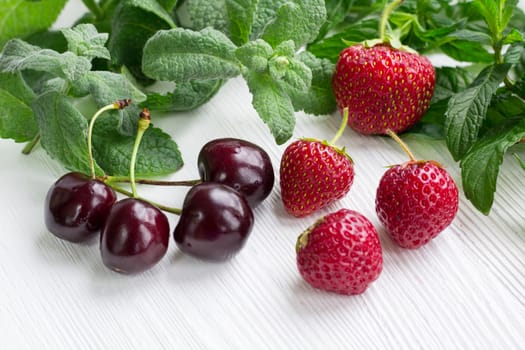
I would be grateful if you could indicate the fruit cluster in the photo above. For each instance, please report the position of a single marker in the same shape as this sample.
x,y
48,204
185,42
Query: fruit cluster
x,y
215,221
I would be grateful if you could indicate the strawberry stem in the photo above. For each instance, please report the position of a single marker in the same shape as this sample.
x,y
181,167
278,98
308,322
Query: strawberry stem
x,y
341,128
401,143
384,18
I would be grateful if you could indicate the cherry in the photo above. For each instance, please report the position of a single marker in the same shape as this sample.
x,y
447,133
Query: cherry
x,y
135,236
76,206
239,164
215,222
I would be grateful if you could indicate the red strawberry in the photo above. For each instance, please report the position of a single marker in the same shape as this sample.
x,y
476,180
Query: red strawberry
x,y
384,88
313,175
416,201
340,253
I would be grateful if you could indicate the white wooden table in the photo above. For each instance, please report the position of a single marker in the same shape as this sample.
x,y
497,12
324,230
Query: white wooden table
x,y
464,290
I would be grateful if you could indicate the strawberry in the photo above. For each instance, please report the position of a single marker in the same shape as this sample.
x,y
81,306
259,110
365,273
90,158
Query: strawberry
x,y
416,201
385,84
314,174
383,87
340,253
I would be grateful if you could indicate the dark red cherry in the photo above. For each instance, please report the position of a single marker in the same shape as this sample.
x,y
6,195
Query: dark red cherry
x,y
135,236
239,164
215,222
76,206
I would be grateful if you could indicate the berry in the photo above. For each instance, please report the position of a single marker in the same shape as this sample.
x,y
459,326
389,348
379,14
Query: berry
x,y
215,222
416,201
340,253
135,236
313,175
239,164
76,207
384,88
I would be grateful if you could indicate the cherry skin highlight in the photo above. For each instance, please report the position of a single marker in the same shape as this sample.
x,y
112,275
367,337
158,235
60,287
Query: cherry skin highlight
x,y
215,222
135,236
239,164
76,207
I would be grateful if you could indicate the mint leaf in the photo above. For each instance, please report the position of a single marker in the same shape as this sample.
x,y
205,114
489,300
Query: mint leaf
x,y
497,14
134,22
168,5
22,18
107,87
480,167
16,116
241,14
18,55
319,98
62,131
298,21
185,96
205,13
85,40
467,109
272,104
158,153
182,55
265,13
255,54
292,74
451,80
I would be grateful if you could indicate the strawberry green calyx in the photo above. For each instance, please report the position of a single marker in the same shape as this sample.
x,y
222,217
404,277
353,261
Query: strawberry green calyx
x,y
302,240
388,37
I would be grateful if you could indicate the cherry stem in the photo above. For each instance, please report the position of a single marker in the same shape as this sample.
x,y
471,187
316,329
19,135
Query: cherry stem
x,y
384,18
143,124
120,104
342,127
152,182
172,210
401,143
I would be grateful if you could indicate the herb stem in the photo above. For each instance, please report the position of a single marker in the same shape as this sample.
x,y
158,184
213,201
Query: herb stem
x,y
31,144
94,8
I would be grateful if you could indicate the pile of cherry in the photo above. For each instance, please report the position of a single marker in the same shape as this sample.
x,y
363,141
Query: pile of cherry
x,y
215,220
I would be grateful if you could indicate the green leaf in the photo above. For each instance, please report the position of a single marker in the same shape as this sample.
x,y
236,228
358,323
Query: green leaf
x,y
18,55
205,13
182,55
273,105
255,54
296,20
158,153
480,167
319,98
241,14
167,5
265,13
134,22
513,37
63,131
451,80
16,116
467,109
292,74
22,18
336,10
185,96
85,40
107,87
497,14
467,51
